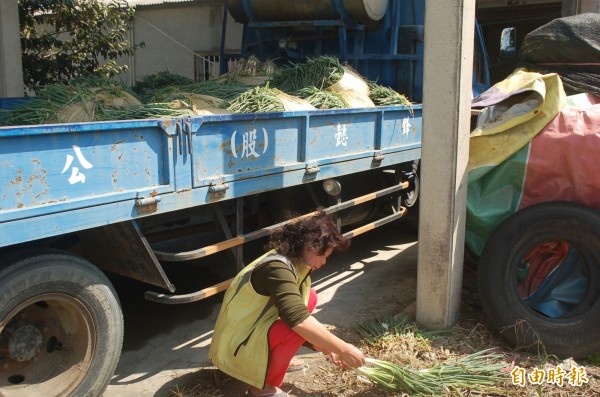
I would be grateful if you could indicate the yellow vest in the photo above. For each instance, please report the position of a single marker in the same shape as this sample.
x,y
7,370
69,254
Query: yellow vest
x,y
240,343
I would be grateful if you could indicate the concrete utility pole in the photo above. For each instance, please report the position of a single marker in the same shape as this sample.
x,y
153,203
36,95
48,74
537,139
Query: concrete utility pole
x,y
11,69
573,7
449,34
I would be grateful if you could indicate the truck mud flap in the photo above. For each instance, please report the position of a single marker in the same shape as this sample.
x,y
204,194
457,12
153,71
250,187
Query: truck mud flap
x,y
121,248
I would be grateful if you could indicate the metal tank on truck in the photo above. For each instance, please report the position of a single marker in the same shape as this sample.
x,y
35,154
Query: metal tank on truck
x,y
279,10
382,40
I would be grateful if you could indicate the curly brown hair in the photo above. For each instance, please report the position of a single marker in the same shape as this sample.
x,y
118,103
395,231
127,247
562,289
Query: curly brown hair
x,y
318,231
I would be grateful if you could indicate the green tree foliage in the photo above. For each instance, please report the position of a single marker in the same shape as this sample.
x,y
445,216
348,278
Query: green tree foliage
x,y
63,39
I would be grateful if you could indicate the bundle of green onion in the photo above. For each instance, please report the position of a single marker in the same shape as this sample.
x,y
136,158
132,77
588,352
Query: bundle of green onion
x,y
320,72
146,111
266,99
385,96
322,99
83,99
55,103
155,81
256,100
475,371
225,89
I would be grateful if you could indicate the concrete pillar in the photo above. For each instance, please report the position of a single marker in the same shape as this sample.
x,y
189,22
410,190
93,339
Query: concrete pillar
x,y
11,68
590,6
449,35
573,7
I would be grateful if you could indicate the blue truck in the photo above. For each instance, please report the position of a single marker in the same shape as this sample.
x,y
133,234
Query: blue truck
x,y
137,198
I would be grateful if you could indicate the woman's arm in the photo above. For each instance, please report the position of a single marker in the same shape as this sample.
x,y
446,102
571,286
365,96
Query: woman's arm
x,y
277,281
320,337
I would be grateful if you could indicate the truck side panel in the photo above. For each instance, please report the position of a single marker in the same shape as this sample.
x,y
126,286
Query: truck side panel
x,y
142,168
50,169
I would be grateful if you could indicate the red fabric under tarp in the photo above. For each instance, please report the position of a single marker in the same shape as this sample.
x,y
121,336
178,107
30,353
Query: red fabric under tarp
x,y
542,260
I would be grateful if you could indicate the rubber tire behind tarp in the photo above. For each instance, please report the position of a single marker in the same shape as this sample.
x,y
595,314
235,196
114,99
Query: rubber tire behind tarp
x,y
576,334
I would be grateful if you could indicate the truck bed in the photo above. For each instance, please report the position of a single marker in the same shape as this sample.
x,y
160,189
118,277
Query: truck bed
x,y
67,177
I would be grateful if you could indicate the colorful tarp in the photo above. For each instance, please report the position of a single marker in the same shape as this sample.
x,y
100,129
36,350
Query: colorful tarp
x,y
532,144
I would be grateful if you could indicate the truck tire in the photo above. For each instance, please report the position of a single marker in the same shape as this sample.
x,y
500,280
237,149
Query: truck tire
x,y
410,198
61,327
517,303
411,195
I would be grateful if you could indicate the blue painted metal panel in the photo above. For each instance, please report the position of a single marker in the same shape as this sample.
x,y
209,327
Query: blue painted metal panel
x,y
244,146
401,128
250,146
42,195
52,168
341,135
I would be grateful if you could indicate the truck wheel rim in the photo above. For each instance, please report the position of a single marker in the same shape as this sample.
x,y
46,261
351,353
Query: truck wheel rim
x,y
46,346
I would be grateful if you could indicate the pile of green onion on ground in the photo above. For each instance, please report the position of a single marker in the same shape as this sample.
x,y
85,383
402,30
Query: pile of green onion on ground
x,y
475,371
389,327
478,371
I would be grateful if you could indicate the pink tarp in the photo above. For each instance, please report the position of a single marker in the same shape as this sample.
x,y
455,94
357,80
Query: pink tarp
x,y
564,159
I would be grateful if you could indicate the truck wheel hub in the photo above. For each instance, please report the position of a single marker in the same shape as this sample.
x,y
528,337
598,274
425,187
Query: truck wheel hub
x,y
25,343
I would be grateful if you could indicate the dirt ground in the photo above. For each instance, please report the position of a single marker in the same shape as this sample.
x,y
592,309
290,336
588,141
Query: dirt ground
x,y
320,378
383,291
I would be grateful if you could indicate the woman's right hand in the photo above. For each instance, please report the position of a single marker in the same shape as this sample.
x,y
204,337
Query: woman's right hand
x,y
346,355
350,357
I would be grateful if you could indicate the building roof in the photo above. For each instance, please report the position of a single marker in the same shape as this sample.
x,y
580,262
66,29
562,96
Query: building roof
x,y
135,3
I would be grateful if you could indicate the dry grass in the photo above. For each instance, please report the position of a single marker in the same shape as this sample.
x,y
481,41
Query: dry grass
x,y
417,351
